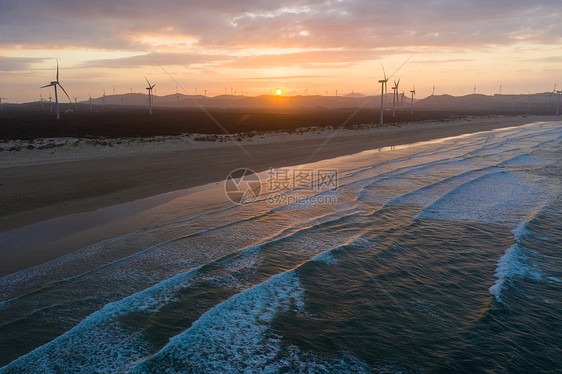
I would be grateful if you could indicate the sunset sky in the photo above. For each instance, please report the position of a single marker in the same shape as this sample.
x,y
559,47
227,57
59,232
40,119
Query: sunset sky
x,y
253,46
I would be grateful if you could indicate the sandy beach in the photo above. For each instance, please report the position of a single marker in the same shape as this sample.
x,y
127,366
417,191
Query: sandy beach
x,y
48,178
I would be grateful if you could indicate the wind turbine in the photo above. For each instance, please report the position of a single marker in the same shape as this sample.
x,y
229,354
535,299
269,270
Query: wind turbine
x,y
383,84
413,92
558,102
75,103
433,96
394,97
2,98
41,100
55,84
103,100
550,97
91,107
149,88
474,92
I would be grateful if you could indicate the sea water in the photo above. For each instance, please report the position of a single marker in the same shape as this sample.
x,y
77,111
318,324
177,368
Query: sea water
x,y
444,256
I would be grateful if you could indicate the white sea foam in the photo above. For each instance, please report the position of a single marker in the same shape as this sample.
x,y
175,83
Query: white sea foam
x,y
328,257
428,194
519,262
99,343
236,336
524,160
514,263
505,198
55,270
108,346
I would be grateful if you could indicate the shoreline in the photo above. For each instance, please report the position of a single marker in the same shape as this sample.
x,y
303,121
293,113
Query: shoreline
x,y
49,184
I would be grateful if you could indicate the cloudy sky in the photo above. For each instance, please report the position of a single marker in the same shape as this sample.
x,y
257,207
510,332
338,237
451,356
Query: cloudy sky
x,y
251,46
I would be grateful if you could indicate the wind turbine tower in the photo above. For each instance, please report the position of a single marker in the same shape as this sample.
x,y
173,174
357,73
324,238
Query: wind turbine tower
x,y
75,103
394,97
558,102
2,98
149,88
55,84
383,85
433,96
413,92
91,107
550,97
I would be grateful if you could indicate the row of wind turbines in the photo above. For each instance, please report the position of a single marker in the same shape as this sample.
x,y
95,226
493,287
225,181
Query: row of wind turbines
x,y
56,84
384,89
395,97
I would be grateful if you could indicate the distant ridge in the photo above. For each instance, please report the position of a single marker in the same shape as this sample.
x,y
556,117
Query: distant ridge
x,y
477,102
544,103
354,94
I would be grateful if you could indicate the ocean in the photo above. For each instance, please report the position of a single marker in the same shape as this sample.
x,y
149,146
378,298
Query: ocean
x,y
442,256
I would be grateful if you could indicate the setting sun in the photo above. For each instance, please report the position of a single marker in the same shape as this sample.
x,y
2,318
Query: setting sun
x,y
278,92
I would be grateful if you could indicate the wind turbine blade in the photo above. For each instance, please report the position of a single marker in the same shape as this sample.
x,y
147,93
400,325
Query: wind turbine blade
x,y
65,92
384,72
151,87
57,70
397,83
147,81
49,85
